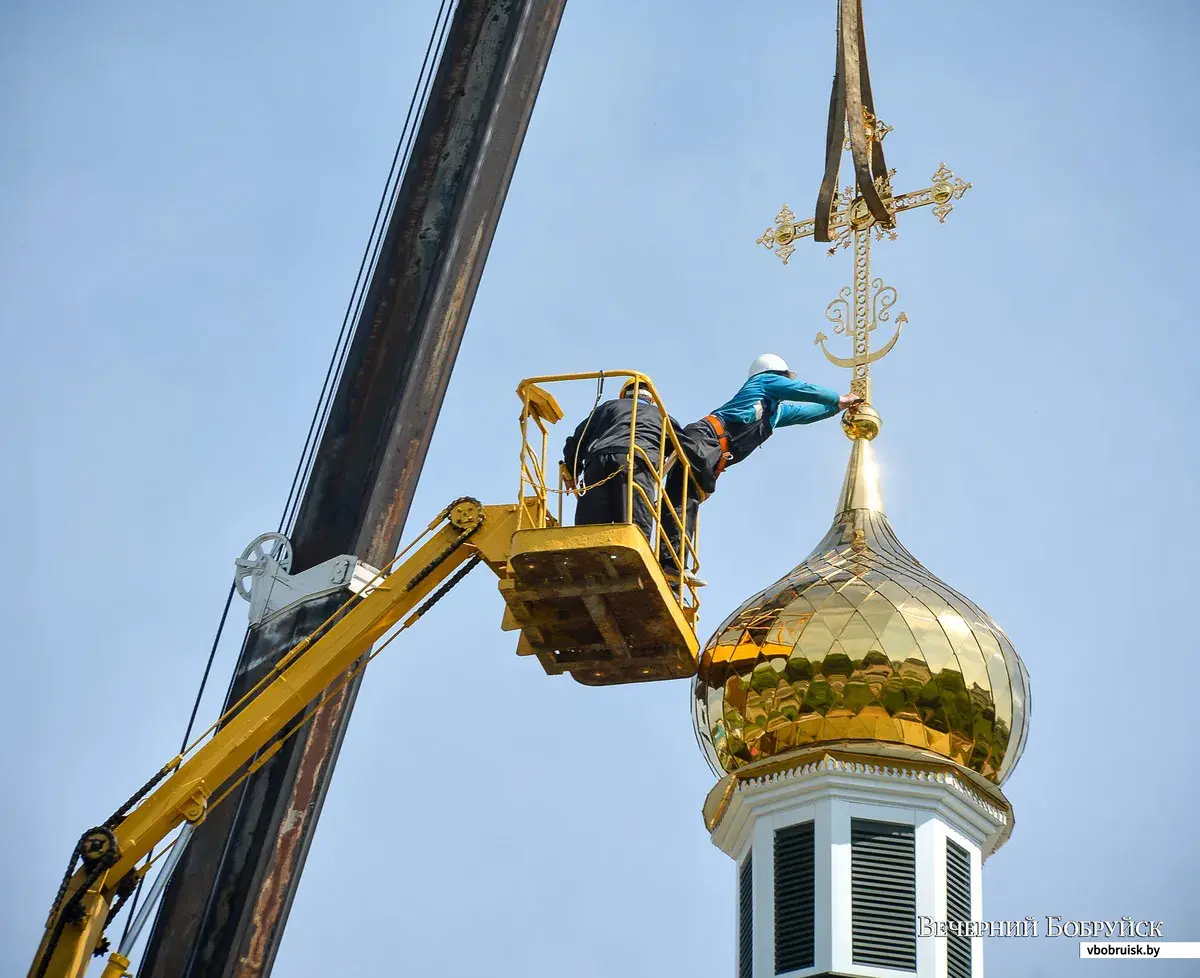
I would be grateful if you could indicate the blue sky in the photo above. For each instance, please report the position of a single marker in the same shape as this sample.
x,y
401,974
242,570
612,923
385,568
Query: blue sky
x,y
184,196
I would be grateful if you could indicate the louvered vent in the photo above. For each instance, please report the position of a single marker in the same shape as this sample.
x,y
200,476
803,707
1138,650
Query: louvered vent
x,y
958,907
746,919
883,894
794,898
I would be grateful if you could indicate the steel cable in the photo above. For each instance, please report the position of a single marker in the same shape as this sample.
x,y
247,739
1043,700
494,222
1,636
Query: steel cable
x,y
358,295
354,306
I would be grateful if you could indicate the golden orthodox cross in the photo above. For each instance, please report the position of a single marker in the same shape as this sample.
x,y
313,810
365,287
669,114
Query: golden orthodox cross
x,y
862,306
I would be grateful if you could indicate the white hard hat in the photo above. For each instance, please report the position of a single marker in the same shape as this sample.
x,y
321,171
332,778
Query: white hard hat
x,y
768,361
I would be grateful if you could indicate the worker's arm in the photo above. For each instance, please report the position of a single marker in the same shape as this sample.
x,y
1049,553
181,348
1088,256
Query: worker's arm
x,y
783,388
801,413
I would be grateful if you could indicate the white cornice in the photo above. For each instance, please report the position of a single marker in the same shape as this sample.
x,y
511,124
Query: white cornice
x,y
889,782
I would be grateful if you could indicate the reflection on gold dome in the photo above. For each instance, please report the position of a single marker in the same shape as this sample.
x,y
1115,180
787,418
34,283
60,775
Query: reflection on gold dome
x,y
860,642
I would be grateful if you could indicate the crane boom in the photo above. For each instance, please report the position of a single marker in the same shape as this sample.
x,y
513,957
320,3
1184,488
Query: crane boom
x,y
112,853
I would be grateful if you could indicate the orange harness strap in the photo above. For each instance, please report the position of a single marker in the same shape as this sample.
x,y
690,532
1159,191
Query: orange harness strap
x,y
722,439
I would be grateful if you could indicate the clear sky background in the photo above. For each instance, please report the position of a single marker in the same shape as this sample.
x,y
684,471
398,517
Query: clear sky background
x,y
184,195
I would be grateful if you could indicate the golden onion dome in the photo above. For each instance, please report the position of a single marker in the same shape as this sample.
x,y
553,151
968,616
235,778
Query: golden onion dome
x,y
861,643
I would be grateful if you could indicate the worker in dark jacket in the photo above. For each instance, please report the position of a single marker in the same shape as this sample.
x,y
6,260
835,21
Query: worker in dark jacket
x,y
596,458
770,398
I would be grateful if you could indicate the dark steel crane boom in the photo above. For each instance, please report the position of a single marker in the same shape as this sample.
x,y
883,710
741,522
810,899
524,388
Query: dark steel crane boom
x,y
225,910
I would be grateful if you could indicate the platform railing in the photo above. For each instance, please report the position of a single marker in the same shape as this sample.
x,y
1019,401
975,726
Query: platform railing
x,y
539,410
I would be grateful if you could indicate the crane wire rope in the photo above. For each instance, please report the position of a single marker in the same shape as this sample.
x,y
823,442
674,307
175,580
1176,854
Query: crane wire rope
x,y
337,361
358,295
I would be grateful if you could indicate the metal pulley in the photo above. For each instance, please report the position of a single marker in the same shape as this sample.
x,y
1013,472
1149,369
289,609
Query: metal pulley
x,y
262,575
263,550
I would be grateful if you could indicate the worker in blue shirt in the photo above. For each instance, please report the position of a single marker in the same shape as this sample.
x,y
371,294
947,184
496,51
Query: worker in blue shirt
x,y
770,398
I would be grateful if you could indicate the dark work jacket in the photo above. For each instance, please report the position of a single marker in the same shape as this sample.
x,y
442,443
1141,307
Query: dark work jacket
x,y
744,438
606,432
703,447
767,401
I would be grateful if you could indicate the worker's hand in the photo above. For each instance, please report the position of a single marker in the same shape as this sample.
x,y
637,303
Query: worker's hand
x,y
565,475
847,401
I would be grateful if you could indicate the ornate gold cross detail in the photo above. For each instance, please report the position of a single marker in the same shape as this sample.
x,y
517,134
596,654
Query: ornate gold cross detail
x,y
856,313
850,216
876,130
861,307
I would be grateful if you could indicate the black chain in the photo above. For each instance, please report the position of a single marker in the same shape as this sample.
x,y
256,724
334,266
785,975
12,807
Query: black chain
x,y
445,589
137,796
128,885
445,555
66,880
69,910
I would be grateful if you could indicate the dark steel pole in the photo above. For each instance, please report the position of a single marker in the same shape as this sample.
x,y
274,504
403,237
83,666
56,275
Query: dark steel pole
x,y
224,911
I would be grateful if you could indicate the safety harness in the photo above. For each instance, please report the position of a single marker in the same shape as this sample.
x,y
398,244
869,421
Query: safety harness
x,y
722,439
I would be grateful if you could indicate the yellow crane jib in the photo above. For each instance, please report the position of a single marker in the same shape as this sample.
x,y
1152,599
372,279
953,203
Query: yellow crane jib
x,y
591,601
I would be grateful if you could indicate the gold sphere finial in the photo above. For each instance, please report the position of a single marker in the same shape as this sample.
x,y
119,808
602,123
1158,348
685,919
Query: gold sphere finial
x,y
861,422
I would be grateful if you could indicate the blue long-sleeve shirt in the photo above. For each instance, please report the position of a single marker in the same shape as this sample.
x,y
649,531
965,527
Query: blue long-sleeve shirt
x,y
783,400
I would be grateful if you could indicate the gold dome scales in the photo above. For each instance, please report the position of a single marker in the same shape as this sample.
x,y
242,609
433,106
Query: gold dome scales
x,y
861,643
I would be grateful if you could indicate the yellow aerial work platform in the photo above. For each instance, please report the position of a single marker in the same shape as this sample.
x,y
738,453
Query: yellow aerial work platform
x,y
593,601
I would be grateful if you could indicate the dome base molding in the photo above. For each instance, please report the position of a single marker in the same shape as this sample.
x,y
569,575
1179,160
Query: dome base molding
x,y
855,767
